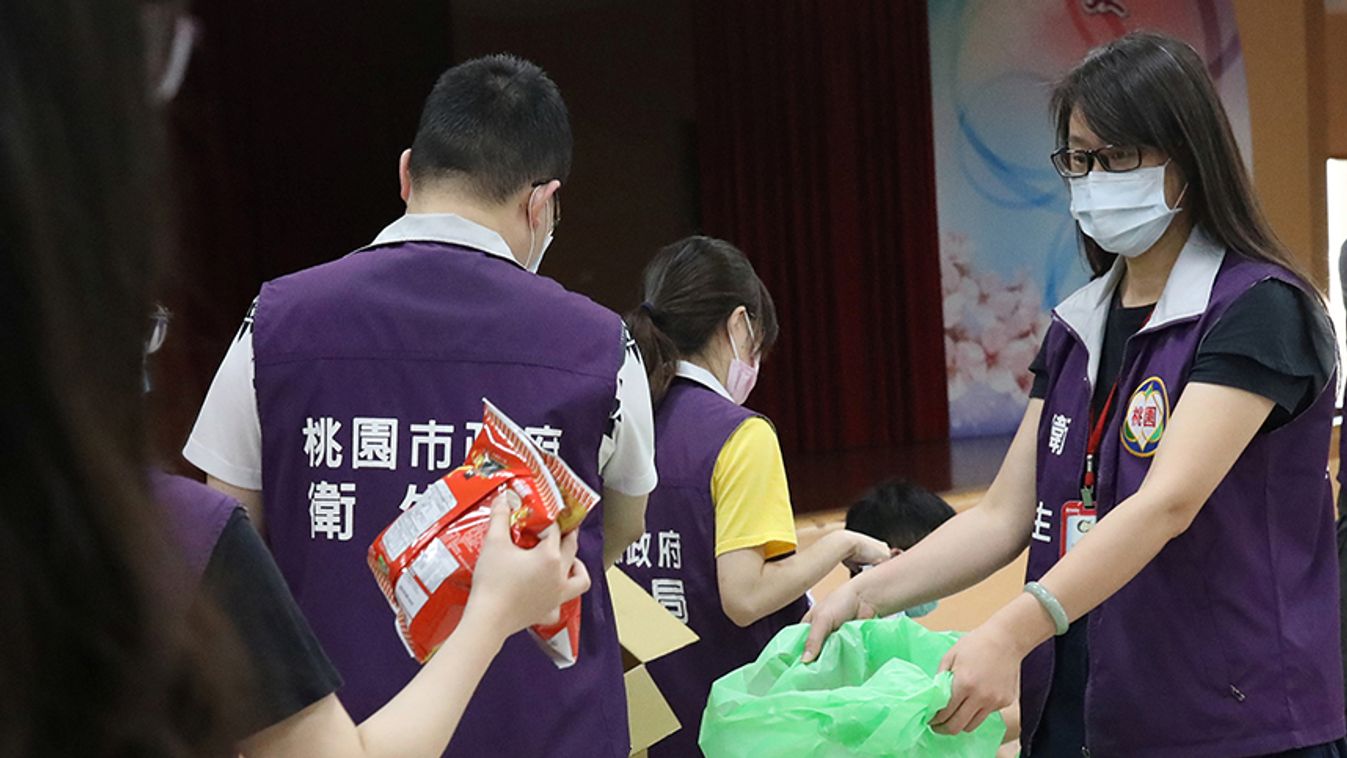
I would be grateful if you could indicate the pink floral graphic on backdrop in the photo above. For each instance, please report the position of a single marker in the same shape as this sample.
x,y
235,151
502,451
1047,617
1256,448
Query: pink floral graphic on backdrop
x,y
993,329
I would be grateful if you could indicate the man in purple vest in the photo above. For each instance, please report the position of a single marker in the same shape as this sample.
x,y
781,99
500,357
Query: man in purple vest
x,y
354,384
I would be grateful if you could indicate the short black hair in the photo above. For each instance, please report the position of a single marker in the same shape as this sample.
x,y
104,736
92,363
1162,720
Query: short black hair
x,y
899,513
496,123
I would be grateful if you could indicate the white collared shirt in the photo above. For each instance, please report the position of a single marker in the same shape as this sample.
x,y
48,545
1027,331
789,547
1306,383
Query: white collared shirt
x,y
226,441
448,228
703,377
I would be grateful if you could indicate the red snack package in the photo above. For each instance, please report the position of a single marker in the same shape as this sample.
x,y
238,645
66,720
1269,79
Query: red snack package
x,y
424,560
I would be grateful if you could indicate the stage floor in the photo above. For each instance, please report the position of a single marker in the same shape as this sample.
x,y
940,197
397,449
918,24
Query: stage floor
x,y
962,611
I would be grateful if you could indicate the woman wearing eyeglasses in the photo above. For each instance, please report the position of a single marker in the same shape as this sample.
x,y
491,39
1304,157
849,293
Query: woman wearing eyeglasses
x,y
1169,476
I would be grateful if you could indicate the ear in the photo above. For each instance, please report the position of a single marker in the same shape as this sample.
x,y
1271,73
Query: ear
x,y
540,199
405,174
747,336
737,315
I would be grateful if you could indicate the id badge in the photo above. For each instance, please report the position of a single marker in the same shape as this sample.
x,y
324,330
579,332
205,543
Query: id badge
x,y
1077,521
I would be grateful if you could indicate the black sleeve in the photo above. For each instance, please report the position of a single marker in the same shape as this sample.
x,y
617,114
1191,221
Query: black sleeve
x,y
1274,341
1039,368
290,669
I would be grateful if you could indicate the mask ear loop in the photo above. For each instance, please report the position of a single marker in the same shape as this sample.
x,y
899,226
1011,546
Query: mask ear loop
x,y
748,323
1182,192
533,234
1179,199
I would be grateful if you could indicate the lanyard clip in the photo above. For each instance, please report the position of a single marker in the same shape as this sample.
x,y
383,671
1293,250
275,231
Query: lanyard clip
x,y
1087,491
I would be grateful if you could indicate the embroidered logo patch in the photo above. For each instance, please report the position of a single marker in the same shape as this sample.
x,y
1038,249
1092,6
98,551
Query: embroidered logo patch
x,y
1147,414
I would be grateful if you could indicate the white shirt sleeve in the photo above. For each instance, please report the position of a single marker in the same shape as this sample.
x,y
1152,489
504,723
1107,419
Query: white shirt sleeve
x,y
226,442
627,454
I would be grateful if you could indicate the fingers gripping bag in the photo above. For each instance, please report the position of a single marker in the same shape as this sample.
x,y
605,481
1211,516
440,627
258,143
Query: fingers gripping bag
x,y
872,692
424,560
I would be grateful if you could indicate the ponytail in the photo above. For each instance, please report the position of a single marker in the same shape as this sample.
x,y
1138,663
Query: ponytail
x,y
658,351
690,288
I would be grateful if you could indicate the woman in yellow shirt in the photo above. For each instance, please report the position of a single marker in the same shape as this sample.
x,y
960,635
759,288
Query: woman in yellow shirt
x,y
719,551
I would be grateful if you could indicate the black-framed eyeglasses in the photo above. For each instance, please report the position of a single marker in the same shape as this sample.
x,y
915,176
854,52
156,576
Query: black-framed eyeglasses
x,y
556,198
1072,163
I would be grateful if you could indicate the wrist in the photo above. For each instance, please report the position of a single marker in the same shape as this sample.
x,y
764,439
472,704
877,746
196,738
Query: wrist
x,y
863,588
1023,624
844,543
489,626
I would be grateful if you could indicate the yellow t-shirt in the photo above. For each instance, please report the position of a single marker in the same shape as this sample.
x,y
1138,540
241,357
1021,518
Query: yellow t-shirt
x,y
751,496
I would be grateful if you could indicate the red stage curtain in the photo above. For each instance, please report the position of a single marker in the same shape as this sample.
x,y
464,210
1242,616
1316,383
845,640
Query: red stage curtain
x,y
815,151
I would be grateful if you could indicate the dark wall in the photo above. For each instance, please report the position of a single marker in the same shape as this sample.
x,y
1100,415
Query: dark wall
x,y
293,115
285,141
626,71
288,129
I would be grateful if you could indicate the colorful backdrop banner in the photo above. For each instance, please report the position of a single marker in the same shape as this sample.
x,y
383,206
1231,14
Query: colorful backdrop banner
x,y
1008,245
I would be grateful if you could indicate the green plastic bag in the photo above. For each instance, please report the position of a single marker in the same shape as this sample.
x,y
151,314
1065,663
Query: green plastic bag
x,y
872,692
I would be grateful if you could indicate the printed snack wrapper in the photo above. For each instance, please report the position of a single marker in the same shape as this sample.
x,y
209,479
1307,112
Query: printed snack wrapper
x,y
424,560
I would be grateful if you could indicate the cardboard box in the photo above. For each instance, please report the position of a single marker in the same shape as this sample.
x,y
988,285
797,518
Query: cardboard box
x,y
646,631
648,713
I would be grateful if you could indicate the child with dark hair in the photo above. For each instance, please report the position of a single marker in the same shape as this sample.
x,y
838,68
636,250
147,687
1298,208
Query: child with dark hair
x,y
899,513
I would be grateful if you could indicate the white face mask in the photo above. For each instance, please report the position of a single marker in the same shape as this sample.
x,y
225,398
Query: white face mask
x,y
925,609
1125,213
534,264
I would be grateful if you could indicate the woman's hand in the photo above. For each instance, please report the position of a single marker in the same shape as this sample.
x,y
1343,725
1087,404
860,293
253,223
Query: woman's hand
x,y
514,588
840,606
1208,431
986,666
865,551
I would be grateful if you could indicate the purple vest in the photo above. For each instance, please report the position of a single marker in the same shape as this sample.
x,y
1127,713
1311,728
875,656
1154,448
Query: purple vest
x,y
1227,642
370,374
196,516
676,559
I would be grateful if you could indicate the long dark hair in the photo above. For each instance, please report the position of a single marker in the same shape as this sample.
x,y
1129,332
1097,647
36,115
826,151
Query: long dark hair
x,y
690,288
95,661
1149,89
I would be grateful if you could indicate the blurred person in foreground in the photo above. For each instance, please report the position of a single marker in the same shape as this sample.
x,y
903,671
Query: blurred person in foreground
x,y
119,638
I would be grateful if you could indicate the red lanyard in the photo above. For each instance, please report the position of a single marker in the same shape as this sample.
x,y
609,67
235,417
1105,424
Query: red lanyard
x,y
1097,437
1092,448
